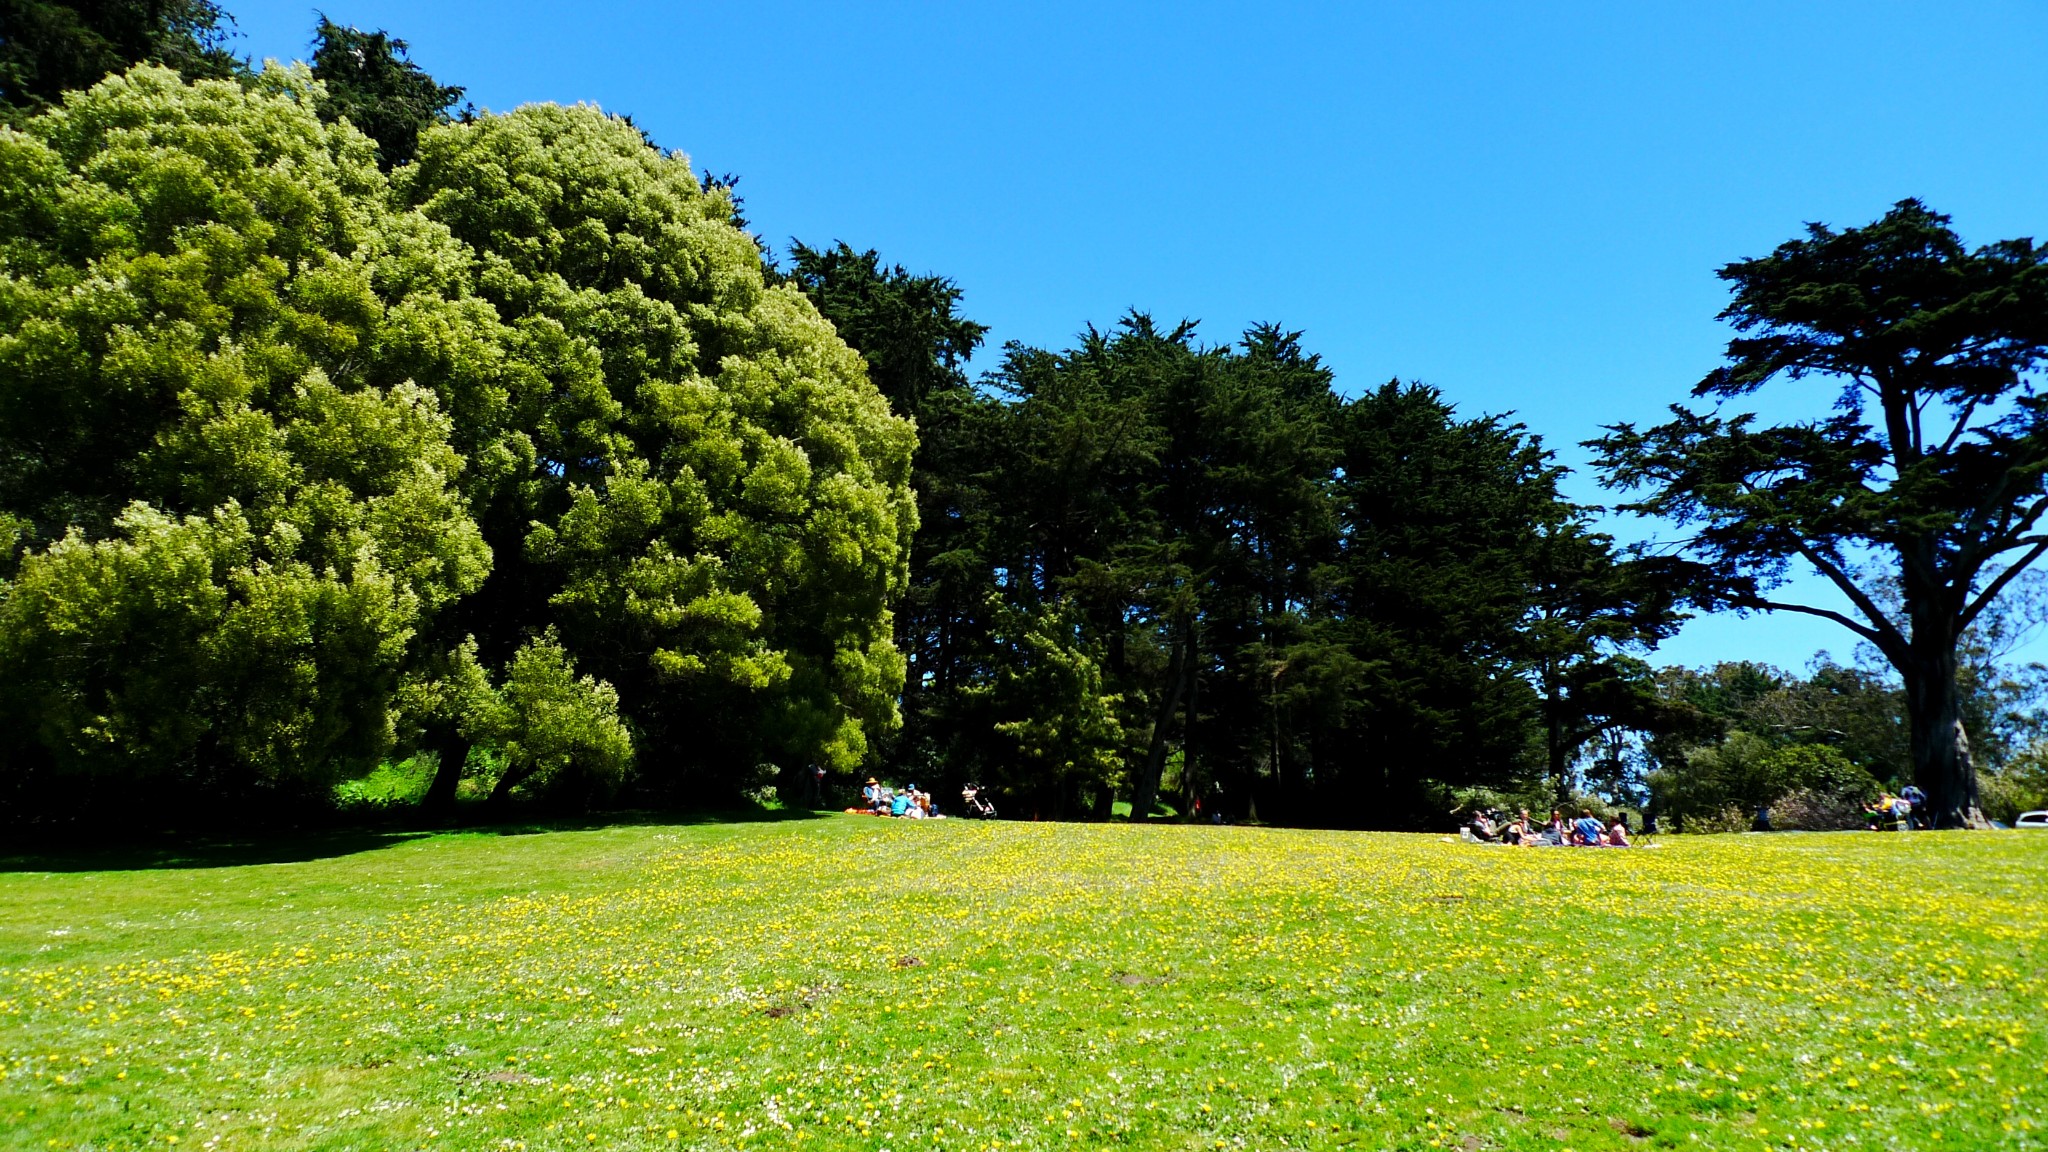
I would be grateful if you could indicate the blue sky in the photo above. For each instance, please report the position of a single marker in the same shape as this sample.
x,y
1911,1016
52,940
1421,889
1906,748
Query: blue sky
x,y
1521,204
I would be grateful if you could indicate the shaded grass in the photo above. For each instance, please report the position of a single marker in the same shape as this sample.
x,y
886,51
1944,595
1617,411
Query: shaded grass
x,y
856,983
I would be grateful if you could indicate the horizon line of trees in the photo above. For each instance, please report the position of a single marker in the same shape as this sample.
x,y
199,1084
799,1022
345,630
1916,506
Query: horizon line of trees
x,y
341,428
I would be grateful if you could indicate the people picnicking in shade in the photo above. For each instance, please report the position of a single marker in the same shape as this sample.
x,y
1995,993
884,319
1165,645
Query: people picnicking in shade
x,y
1586,830
1483,827
907,803
1487,826
1917,800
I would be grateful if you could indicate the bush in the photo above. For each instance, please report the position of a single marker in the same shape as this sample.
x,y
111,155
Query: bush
x,y
1820,770
1746,772
560,733
2021,787
1728,819
1813,810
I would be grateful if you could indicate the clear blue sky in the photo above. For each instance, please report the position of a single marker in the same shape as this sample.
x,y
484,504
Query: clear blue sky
x,y
1522,204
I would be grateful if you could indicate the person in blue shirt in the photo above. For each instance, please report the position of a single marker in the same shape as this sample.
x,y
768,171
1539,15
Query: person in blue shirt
x,y
1916,800
900,803
1586,829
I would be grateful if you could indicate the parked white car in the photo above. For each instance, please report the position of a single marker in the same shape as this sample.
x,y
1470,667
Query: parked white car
x,y
2035,819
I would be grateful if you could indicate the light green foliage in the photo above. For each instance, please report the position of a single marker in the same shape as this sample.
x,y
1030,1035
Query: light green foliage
x,y
700,486
267,422
229,533
1818,768
2021,786
855,984
549,722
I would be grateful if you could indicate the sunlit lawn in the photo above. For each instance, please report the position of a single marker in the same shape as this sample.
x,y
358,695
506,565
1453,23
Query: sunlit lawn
x,y
856,983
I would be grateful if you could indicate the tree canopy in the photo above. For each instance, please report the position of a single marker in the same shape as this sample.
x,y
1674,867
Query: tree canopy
x,y
1933,458
49,47
338,430
292,457
223,530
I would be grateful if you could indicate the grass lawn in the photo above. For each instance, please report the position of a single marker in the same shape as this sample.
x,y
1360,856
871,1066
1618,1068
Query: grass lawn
x,y
854,983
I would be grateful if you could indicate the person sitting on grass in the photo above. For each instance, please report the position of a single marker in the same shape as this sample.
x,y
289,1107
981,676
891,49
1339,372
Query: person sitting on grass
x,y
1555,834
874,796
1482,827
921,806
899,804
1586,830
1516,831
1617,834
1889,812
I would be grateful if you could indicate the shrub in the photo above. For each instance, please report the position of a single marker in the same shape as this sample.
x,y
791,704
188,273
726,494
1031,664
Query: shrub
x,y
2021,787
1727,819
1814,810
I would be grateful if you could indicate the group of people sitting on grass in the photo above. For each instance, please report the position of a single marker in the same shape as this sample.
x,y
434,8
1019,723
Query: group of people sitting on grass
x,y
1588,831
907,803
913,803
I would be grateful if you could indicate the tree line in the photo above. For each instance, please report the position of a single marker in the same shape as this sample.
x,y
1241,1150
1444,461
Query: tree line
x,y
343,428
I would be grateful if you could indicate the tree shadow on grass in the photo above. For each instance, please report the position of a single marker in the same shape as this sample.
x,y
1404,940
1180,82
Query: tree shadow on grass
x,y
164,850
511,825
202,851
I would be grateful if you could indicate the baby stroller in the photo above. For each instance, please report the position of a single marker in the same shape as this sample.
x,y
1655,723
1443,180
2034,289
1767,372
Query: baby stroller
x,y
974,800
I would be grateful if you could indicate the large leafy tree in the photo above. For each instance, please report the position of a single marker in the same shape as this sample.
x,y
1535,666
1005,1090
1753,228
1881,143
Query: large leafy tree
x,y
1932,461
679,466
372,83
49,47
222,531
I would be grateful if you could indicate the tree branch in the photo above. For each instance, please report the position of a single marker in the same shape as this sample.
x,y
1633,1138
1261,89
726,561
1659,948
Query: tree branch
x,y
1868,633
1985,547
1962,425
1992,590
1881,624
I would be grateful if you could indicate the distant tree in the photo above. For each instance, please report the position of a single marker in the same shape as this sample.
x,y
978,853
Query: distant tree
x,y
49,47
1594,609
372,84
1851,711
906,326
1748,772
1935,458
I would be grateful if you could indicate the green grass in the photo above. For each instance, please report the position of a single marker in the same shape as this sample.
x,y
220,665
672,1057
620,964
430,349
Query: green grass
x,y
858,983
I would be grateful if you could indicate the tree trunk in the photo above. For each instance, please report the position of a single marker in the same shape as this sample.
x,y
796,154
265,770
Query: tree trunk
x,y
502,794
1941,748
1553,737
1187,738
453,751
1105,804
1145,790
